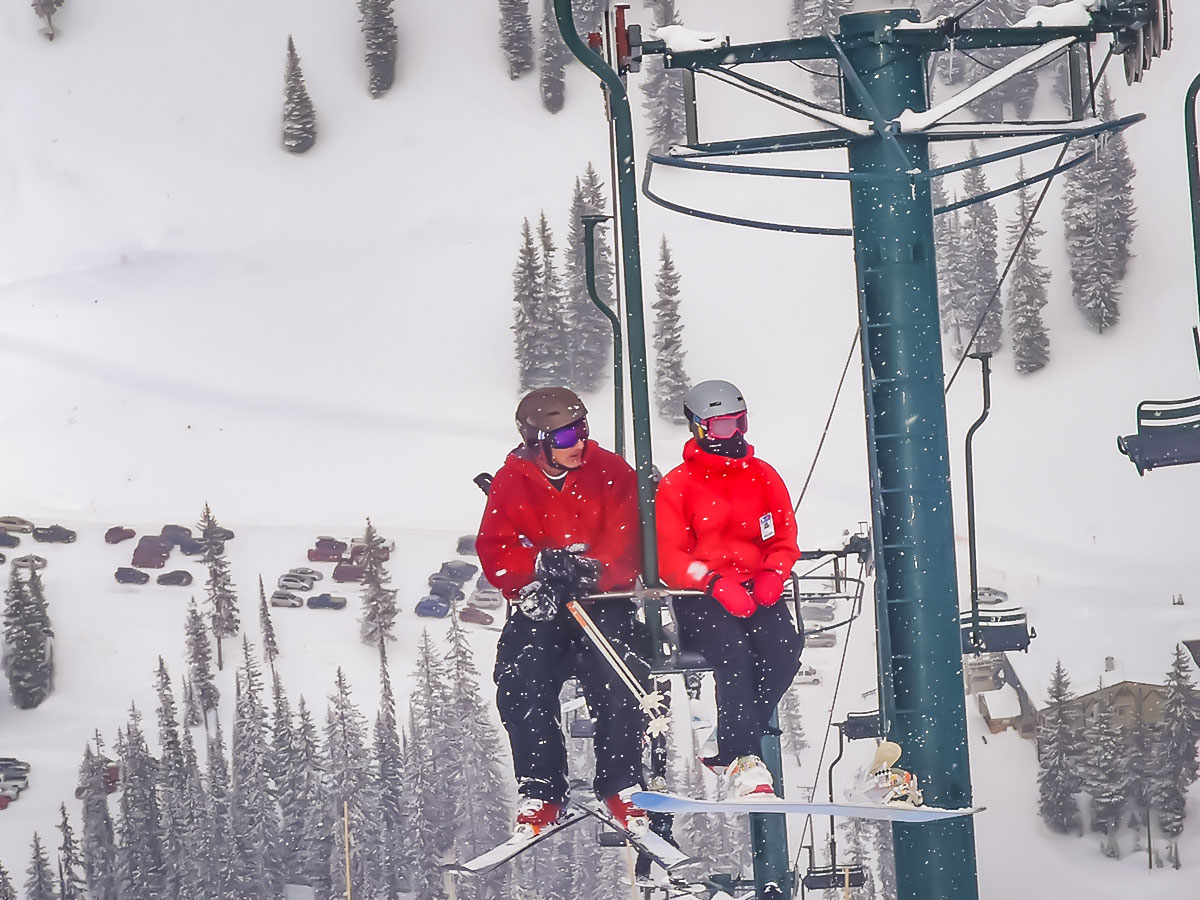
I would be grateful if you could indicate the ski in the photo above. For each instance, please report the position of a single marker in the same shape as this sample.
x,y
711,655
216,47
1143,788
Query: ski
x,y
651,845
653,801
514,846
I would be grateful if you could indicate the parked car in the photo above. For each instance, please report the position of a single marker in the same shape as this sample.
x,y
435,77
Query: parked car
x,y
153,542
326,601
388,546
820,639
16,523
325,542
15,779
178,577
345,571
305,572
118,533
818,612
217,533
358,551
112,780
8,540
29,561
175,533
287,599
992,596
325,554
459,570
466,545
475,616
434,607
148,558
807,675
11,762
447,590
54,534
192,546
4,801
9,791
487,598
294,583
126,575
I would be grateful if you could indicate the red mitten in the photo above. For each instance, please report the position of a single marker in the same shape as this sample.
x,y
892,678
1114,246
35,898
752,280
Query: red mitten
x,y
768,586
732,596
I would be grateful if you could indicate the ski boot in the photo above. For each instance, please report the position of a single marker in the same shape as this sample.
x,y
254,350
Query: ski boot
x,y
535,814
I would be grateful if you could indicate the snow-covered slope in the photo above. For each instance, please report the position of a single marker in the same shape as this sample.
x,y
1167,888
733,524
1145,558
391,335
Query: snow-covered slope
x,y
192,315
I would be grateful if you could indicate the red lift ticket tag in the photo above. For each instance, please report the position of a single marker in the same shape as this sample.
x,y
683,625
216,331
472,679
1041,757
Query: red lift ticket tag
x,y
766,526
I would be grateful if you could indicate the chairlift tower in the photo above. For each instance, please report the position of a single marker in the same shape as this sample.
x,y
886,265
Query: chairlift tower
x,y
886,127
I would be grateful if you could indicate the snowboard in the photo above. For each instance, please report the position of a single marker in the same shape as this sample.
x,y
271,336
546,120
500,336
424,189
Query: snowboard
x,y
652,801
514,846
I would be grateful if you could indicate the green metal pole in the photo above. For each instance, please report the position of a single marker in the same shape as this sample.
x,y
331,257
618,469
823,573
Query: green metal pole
x,y
768,832
922,699
1193,158
635,326
589,245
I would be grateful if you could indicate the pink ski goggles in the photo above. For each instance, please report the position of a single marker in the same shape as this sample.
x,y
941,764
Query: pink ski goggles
x,y
724,427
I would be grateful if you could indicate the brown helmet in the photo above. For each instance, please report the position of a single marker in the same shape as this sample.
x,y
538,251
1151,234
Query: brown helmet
x,y
545,409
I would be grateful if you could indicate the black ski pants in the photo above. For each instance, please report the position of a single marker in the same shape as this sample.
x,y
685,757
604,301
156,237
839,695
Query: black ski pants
x,y
754,661
533,660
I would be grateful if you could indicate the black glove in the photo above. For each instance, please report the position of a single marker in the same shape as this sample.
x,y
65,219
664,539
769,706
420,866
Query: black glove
x,y
568,570
538,601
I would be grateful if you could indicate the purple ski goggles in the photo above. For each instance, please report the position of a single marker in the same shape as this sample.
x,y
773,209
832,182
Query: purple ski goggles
x,y
569,435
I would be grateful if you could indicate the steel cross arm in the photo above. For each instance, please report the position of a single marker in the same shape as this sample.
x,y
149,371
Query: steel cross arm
x,y
783,143
789,101
933,40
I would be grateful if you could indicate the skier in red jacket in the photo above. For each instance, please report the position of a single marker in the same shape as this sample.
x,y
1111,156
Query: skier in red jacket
x,y
562,522
725,526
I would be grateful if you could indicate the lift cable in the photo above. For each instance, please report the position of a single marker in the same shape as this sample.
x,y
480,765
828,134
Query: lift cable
x,y
1021,239
828,419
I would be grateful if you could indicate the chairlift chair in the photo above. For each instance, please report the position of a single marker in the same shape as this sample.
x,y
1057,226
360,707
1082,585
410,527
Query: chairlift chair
x,y
999,630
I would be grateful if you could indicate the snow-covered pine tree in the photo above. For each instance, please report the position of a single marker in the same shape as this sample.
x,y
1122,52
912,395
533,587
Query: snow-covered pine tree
x,y
7,891
555,301
281,766
266,627
99,843
172,786
40,883
479,782
536,320
820,16
1028,283
885,856
379,36
1020,90
951,270
259,868
857,838
139,818
378,598
194,877
701,834
516,37
670,379
1117,190
425,807
588,331
1139,750
28,659
552,60
222,854
1057,748
978,239
192,716
795,22
791,723
318,823
429,704
221,595
389,778
46,9
1104,773
72,885
299,116
1175,762
204,686
662,89
353,791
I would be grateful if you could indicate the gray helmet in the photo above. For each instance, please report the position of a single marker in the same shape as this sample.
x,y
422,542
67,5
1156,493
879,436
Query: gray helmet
x,y
545,409
712,398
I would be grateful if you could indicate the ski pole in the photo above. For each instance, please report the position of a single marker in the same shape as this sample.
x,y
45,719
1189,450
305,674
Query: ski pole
x,y
651,702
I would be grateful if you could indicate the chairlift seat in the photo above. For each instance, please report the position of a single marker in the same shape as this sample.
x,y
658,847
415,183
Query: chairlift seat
x,y
999,629
830,878
1168,434
859,725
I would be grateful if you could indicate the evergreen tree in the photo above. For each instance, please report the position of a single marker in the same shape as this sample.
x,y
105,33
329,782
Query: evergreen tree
x,y
1139,748
1104,775
204,686
791,723
222,854
978,240
70,862
353,792
28,657
282,767
389,776
1175,762
516,37
139,822
46,9
7,891
951,269
701,833
172,787
820,16
885,857
537,360
378,599
426,807
588,331
555,301
429,708
40,883
662,90
99,843
192,715
670,380
1117,185
1057,746
795,22
858,836
194,878
379,36
266,626
259,866
552,60
317,822
299,117
1027,287
221,596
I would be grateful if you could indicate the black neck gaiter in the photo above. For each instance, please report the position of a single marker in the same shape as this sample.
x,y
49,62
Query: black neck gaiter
x,y
733,448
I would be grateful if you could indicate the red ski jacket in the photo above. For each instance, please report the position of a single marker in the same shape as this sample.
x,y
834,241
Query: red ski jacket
x,y
722,516
525,513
